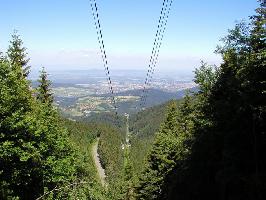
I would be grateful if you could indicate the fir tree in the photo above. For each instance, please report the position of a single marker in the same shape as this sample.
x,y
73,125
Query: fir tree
x,y
19,154
226,160
44,93
36,154
17,54
220,145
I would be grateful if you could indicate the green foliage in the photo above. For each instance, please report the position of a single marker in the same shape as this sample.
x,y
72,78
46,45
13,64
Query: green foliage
x,y
110,151
169,150
44,94
19,157
128,178
35,150
83,136
210,145
205,77
17,54
58,153
147,122
143,126
112,158
213,146
158,161
37,154
109,118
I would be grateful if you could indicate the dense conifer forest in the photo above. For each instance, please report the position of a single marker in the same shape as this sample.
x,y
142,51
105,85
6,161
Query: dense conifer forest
x,y
211,145
208,145
143,127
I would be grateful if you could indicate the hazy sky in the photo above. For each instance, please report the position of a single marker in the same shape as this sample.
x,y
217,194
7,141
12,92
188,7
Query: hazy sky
x,y
60,34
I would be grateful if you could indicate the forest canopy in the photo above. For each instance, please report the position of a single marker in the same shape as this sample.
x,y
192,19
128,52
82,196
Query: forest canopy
x,y
208,145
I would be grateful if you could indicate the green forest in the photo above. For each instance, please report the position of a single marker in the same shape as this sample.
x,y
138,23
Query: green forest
x,y
207,145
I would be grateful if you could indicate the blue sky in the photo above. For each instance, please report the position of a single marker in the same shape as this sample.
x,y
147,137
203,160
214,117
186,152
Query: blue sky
x,y
60,34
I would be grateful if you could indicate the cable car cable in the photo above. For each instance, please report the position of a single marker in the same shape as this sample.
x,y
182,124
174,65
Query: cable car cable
x,y
154,60
102,50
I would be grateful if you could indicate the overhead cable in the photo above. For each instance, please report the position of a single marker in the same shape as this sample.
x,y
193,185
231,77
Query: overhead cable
x,y
163,19
98,27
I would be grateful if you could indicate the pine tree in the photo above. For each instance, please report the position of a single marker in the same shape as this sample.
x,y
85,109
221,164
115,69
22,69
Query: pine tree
x,y
226,160
36,154
219,153
59,156
17,54
19,154
44,94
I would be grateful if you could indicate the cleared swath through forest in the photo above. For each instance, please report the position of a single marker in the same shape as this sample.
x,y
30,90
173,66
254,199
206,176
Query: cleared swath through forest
x,y
100,170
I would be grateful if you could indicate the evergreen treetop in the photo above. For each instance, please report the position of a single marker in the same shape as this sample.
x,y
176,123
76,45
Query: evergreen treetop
x,y
17,54
44,93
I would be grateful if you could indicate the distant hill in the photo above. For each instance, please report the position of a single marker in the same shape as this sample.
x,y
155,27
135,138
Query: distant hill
x,y
154,97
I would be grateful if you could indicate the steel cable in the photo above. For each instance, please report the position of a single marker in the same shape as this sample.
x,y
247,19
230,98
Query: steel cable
x,y
102,50
153,50
156,48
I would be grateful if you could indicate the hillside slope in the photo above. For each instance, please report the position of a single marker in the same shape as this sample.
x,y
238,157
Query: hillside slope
x,y
143,127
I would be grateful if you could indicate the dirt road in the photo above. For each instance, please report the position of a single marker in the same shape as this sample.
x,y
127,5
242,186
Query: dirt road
x,y
96,158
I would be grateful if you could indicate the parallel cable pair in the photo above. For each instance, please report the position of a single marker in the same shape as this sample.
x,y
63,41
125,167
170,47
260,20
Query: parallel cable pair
x,y
164,15
97,24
